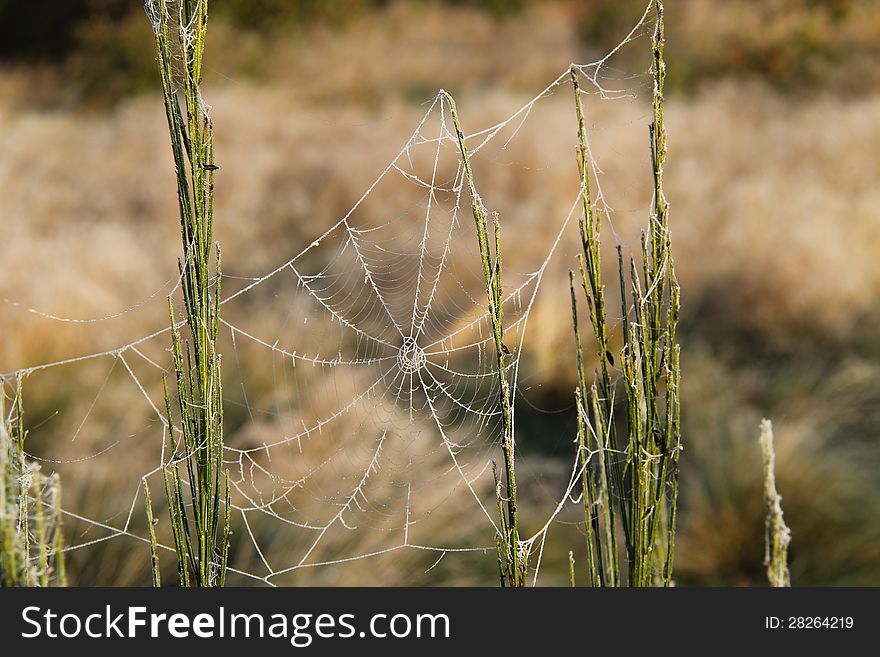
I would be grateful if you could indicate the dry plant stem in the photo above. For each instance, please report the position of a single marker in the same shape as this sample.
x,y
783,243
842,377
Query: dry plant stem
x,y
777,534
512,561
646,484
201,536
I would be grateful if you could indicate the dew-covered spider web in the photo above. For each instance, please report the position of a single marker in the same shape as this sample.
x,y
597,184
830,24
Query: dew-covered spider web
x,y
360,383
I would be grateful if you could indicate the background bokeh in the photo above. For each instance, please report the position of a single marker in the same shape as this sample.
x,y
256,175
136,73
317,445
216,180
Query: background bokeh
x,y
773,113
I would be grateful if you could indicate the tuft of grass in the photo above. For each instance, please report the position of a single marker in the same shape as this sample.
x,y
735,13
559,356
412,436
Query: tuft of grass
x,y
31,541
777,535
199,503
631,486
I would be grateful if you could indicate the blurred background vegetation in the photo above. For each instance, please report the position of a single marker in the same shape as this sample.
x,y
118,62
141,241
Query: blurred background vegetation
x,y
100,49
773,126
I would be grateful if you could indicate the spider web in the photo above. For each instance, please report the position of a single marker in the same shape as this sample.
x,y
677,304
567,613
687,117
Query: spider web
x,y
360,376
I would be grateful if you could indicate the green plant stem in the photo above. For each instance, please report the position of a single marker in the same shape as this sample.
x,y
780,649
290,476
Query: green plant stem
x,y
154,544
200,534
31,540
644,482
516,562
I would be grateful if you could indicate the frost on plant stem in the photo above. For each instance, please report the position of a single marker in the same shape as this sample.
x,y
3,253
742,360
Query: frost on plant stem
x,y
777,533
31,547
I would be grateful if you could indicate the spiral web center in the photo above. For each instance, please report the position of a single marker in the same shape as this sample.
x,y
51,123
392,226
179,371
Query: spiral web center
x,y
411,357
